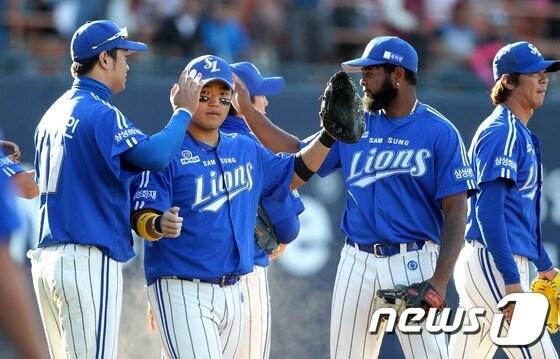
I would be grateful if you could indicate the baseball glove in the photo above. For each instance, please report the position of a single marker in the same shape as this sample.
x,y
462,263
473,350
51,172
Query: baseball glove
x,y
264,232
549,288
419,295
11,150
342,113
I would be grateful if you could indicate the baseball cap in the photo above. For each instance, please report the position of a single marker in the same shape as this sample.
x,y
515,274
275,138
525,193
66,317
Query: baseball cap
x,y
385,50
212,68
93,37
256,84
521,57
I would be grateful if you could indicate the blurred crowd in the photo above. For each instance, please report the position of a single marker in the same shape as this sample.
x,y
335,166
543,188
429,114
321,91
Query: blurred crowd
x,y
456,38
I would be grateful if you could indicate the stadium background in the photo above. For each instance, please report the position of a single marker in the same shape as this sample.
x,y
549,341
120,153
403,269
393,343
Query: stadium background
x,y
302,40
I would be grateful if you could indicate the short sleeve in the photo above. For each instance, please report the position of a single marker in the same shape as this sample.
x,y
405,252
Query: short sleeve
x,y
278,211
278,170
114,135
152,190
9,167
9,220
453,172
497,154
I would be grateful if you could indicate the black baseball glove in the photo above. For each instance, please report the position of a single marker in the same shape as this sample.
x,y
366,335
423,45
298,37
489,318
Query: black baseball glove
x,y
342,113
264,232
10,150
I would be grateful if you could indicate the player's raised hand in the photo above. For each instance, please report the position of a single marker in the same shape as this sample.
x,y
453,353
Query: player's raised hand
x,y
241,99
171,223
186,92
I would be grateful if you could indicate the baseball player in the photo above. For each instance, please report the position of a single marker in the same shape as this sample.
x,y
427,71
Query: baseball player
x,y
87,153
406,180
17,320
255,338
503,231
24,181
215,184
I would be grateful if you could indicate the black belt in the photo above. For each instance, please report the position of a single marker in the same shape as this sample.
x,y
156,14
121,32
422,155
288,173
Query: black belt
x,y
223,281
386,249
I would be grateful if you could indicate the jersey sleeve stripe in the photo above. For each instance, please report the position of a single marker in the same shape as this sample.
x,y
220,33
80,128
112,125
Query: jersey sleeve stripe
x,y
129,143
6,172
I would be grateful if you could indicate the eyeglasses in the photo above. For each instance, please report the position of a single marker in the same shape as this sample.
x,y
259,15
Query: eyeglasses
x,y
224,101
122,33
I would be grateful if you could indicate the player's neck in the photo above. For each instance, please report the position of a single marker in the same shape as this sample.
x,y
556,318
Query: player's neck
x,y
403,105
209,137
523,113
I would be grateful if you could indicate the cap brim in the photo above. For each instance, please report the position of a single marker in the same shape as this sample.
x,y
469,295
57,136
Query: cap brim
x,y
357,64
270,86
210,79
548,66
132,45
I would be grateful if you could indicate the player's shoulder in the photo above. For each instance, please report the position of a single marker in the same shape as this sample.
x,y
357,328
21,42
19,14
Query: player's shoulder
x,y
500,122
434,121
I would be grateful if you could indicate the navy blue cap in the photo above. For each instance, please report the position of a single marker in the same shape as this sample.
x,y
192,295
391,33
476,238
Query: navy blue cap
x,y
212,68
521,57
102,35
256,84
385,50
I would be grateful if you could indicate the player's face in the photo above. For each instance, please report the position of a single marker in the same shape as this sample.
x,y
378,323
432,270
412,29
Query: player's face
x,y
260,102
215,99
118,70
531,89
378,88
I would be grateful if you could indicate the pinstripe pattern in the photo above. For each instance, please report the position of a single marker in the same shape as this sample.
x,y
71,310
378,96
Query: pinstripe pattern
x,y
480,284
255,338
359,276
79,291
196,320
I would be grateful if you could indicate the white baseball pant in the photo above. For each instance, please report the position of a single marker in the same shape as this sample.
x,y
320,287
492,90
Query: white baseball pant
x,y
255,337
360,274
480,284
197,320
79,291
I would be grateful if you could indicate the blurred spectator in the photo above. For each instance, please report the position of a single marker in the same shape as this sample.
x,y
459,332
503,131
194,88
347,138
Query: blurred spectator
x,y
308,30
221,32
177,34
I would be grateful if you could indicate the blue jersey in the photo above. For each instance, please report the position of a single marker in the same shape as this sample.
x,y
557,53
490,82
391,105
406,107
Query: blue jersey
x,y
217,190
397,174
9,220
9,167
292,205
505,148
83,180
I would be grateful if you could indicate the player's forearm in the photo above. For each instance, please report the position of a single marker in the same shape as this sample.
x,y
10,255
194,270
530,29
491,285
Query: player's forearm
x,y
452,239
311,158
26,185
17,320
270,135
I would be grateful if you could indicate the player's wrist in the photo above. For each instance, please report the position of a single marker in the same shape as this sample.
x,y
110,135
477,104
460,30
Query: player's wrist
x,y
326,139
179,109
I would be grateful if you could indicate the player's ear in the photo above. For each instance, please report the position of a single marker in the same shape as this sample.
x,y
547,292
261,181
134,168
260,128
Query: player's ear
x,y
103,59
508,82
398,76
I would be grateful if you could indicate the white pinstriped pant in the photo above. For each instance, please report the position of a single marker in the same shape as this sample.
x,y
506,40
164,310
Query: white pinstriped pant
x,y
255,337
480,284
359,276
79,291
197,320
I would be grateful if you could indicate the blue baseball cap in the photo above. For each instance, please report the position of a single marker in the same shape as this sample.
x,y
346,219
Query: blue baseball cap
x,y
256,84
385,50
102,35
521,57
212,68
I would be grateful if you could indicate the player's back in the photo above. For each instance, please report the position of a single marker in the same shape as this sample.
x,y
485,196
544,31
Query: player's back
x,y
84,185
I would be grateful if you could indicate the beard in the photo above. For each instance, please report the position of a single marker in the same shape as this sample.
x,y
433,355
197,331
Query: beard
x,y
383,98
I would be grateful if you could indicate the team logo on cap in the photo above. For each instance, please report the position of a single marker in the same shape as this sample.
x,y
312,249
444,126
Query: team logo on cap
x,y
534,50
388,55
211,64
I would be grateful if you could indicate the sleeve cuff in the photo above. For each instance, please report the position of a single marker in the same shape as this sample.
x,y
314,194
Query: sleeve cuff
x,y
182,109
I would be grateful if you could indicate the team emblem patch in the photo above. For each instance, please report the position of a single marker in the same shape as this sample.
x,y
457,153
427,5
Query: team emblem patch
x,y
187,157
412,265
